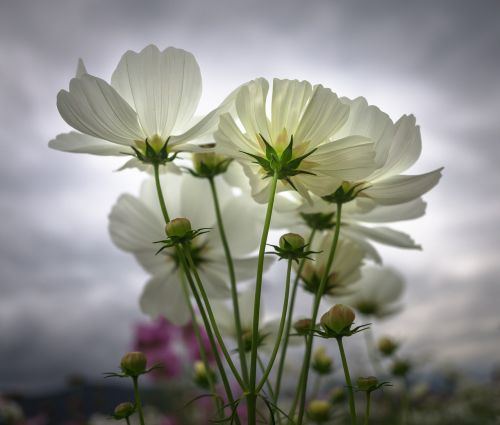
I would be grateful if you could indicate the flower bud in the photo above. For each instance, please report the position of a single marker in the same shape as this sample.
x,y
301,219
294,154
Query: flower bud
x,y
124,410
202,375
303,326
209,164
400,367
178,227
338,319
319,410
368,383
292,241
337,395
387,346
133,363
322,363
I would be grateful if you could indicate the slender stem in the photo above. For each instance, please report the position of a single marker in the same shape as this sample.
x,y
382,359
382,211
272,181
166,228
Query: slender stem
x,y
405,402
128,420
317,300
372,355
232,278
281,364
263,369
137,397
280,329
203,353
316,387
222,371
352,406
160,193
367,410
192,268
298,392
258,290
220,366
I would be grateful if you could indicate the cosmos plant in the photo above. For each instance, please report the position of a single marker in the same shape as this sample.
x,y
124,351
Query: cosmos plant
x,y
282,156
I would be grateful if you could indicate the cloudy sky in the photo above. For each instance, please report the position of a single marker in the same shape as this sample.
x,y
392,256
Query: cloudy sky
x,y
68,297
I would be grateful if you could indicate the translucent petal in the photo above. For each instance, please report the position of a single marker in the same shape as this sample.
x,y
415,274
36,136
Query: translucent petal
x,y
81,143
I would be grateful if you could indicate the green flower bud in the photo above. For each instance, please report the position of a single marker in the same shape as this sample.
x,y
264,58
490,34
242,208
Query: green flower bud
x,y
400,367
133,363
303,326
124,410
292,241
387,346
209,164
338,319
321,363
178,227
319,410
337,395
202,376
368,383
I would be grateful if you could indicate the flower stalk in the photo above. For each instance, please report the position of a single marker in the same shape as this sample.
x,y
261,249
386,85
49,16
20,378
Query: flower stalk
x,y
314,316
137,397
350,390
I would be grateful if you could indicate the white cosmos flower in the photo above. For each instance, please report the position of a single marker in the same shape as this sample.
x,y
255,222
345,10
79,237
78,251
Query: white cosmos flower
x,y
312,116
153,95
378,292
359,225
344,271
398,146
136,222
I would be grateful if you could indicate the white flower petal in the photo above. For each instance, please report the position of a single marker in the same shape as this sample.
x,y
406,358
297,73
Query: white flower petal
x,y
80,68
323,116
231,142
405,148
401,189
289,99
93,107
215,282
251,108
386,236
389,213
164,296
81,143
163,87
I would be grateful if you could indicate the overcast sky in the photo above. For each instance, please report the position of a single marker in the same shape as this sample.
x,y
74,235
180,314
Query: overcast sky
x,y
68,296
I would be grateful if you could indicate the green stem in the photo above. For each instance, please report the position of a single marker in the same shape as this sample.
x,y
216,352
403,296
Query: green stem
x,y
367,410
263,369
372,355
258,290
203,354
128,420
280,330
137,397
220,366
352,406
405,403
232,277
192,268
298,392
161,198
281,364
316,387
317,300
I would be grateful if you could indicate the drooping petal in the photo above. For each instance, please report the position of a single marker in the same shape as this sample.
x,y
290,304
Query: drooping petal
x,y
389,213
401,189
288,102
81,143
251,108
385,235
405,148
323,116
93,107
163,87
163,296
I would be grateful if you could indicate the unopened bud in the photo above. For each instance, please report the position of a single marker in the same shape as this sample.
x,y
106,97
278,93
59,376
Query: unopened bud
x,y
133,363
319,410
387,346
338,319
303,326
322,363
202,375
292,241
400,367
124,410
337,395
178,227
209,164
368,383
